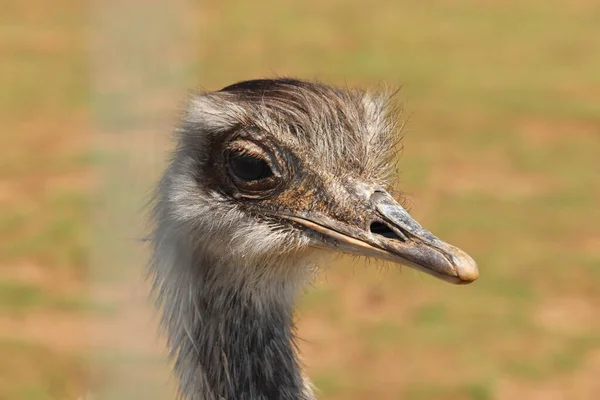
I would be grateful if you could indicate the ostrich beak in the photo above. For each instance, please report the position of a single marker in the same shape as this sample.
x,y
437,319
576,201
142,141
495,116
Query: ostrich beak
x,y
390,233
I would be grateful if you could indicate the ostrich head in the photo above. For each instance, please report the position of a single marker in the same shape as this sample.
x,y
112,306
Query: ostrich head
x,y
266,176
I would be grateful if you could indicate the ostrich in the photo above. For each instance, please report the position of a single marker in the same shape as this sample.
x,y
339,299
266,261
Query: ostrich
x,y
266,176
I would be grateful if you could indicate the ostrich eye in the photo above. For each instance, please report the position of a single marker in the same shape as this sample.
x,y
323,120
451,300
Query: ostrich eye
x,y
247,168
253,170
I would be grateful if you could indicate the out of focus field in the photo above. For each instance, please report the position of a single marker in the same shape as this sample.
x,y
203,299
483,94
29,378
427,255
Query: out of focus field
x,y
502,158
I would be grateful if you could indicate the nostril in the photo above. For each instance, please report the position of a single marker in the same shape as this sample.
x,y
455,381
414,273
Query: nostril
x,y
379,228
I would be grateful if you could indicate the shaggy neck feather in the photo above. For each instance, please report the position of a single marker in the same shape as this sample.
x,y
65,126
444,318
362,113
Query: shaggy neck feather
x,y
230,338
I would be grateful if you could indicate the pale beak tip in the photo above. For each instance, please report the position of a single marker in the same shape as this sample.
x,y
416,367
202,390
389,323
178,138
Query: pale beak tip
x,y
466,269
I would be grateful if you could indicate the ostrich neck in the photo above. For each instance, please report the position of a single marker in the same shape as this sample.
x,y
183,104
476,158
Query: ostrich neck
x,y
233,340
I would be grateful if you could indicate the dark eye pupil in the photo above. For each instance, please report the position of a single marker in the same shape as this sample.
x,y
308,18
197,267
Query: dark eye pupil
x,y
248,168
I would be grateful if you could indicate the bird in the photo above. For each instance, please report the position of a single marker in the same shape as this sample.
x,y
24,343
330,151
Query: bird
x,y
266,178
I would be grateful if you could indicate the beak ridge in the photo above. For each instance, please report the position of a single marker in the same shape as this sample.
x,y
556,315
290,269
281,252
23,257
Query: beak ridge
x,y
431,254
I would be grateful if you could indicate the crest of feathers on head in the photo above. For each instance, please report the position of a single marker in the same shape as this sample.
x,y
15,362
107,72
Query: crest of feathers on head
x,y
339,130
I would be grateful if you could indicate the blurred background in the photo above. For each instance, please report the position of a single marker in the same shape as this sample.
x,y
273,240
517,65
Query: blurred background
x,y
501,158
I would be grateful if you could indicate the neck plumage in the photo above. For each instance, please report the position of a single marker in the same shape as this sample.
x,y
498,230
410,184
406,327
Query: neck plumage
x,y
230,338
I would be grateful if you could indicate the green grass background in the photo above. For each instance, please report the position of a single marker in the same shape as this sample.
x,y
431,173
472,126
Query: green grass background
x,y
502,155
